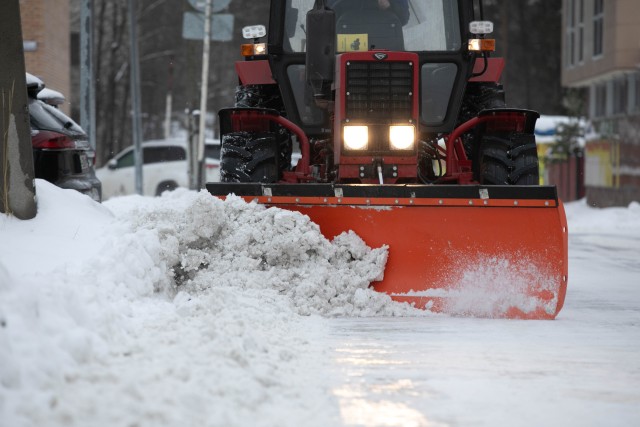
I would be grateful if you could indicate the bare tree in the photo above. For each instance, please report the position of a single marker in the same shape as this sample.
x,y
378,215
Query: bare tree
x,y
528,37
167,62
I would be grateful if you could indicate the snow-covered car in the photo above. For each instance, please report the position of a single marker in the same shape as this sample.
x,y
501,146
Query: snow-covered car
x,y
165,168
62,154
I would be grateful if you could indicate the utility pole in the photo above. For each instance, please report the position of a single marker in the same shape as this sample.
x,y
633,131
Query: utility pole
x,y
169,102
135,96
204,89
17,189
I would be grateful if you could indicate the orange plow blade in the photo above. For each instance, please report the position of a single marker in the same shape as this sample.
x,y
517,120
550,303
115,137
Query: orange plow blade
x,y
462,250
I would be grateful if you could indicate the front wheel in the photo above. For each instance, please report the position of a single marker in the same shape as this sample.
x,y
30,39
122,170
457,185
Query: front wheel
x,y
507,159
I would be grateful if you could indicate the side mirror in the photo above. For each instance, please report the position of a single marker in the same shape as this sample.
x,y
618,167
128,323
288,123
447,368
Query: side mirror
x,y
113,164
321,50
292,21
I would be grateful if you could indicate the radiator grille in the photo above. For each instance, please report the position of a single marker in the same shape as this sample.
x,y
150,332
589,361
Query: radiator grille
x,y
380,91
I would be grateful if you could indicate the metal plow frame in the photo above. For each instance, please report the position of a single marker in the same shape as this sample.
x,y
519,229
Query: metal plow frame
x,y
483,251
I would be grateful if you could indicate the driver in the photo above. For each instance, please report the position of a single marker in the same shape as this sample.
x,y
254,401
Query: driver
x,y
399,7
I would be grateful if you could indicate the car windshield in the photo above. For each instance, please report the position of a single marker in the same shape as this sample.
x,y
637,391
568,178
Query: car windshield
x,y
411,25
150,155
46,117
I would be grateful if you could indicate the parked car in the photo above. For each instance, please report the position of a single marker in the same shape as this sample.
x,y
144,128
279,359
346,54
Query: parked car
x,y
165,168
62,154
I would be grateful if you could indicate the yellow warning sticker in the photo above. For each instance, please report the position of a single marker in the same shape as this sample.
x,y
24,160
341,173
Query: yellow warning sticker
x,y
352,42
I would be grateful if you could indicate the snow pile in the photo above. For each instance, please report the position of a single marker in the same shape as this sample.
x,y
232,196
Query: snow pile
x,y
186,310
210,243
186,295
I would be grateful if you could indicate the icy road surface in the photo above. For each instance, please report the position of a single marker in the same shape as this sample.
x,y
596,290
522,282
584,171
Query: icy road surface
x,y
582,369
185,311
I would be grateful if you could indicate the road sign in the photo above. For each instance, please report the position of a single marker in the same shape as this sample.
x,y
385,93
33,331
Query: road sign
x,y
216,6
221,26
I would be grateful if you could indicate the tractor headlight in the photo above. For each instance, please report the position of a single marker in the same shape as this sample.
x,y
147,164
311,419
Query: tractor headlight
x,y
402,137
356,137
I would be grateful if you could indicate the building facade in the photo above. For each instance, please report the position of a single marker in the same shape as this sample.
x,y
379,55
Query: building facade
x,y
601,52
46,40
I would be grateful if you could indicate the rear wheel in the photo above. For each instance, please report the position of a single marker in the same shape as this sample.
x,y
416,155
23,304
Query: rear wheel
x,y
265,96
507,159
249,157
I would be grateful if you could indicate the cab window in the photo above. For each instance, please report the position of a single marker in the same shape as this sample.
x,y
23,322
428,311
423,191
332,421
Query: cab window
x,y
432,25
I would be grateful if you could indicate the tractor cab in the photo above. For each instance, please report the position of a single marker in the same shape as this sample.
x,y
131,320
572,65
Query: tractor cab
x,y
436,31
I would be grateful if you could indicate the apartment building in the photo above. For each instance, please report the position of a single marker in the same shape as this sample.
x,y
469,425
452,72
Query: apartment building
x,y
46,41
601,52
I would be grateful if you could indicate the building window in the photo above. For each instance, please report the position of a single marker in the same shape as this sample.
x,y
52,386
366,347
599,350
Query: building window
x,y
600,100
580,31
571,32
598,27
575,31
620,95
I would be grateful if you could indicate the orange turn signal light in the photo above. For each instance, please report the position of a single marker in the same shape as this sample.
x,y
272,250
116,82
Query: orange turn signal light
x,y
482,45
251,49
246,49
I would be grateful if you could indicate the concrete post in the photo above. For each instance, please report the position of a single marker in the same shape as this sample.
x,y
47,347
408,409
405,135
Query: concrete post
x,y
17,188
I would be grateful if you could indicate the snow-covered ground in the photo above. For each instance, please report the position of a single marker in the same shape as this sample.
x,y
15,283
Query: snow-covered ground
x,y
95,332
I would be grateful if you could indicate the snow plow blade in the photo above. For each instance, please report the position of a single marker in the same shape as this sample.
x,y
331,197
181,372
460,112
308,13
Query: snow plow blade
x,y
481,251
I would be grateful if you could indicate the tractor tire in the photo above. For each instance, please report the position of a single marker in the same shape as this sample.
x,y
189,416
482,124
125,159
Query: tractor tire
x,y
249,157
507,159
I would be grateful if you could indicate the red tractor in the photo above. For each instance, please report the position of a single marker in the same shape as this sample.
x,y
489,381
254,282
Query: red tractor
x,y
405,138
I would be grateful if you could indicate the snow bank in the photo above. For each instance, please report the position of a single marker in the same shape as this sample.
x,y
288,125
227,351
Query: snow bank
x,y
187,310
175,310
617,220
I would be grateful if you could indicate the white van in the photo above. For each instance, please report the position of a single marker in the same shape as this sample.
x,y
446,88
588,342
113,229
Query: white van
x,y
165,168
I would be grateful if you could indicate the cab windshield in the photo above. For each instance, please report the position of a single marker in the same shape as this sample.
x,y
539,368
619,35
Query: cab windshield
x,y
411,25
